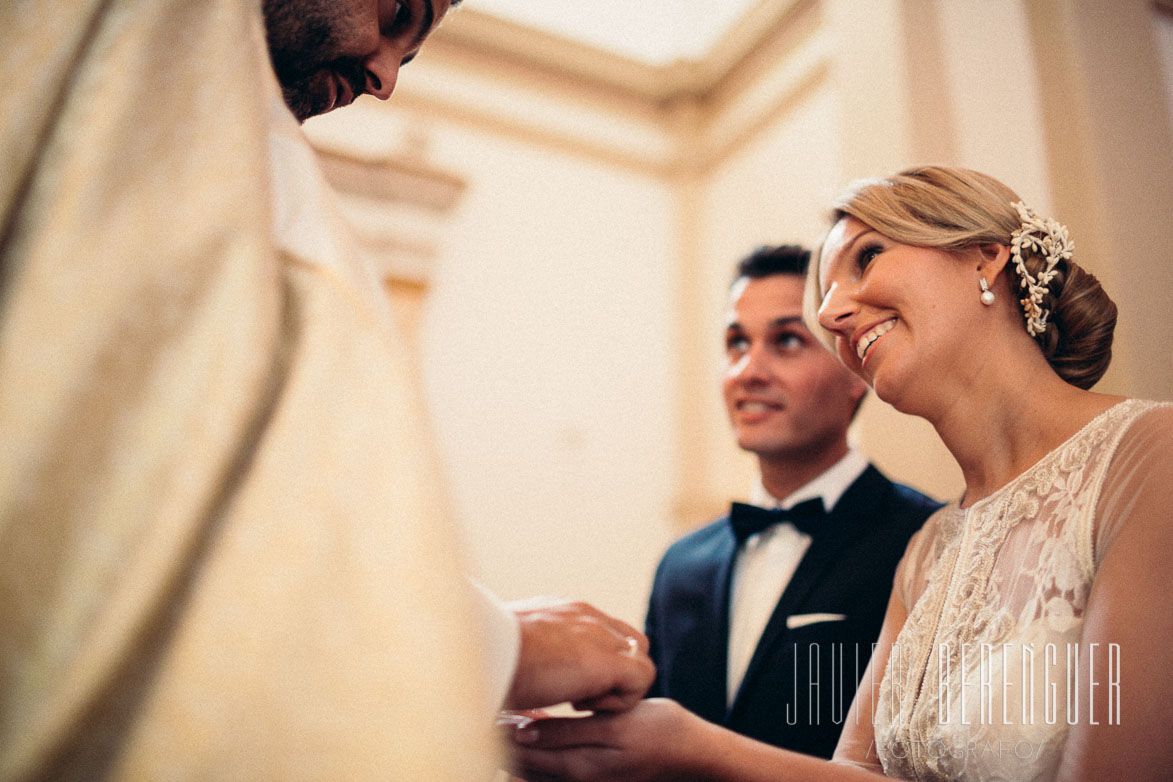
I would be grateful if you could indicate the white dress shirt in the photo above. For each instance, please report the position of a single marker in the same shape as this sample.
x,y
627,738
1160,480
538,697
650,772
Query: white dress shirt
x,y
767,562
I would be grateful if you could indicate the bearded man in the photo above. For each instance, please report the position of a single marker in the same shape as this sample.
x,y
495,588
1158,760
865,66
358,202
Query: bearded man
x,y
222,554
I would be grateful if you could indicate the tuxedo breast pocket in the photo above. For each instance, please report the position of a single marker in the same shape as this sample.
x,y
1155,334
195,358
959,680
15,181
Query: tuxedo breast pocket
x,y
795,621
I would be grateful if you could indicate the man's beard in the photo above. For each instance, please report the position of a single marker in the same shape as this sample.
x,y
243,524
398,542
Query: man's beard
x,y
303,38
307,95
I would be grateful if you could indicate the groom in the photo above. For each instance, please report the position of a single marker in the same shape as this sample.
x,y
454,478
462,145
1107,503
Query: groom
x,y
763,620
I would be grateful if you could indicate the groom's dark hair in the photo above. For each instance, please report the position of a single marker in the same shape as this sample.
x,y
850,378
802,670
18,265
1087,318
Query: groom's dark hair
x,y
769,260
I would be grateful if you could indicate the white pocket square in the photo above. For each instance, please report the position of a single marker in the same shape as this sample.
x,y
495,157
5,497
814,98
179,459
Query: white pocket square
x,y
794,621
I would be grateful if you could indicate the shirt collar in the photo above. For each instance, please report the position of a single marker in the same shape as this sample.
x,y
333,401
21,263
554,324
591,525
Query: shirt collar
x,y
830,485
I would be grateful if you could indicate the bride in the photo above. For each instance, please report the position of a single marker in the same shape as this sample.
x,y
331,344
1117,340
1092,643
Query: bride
x,y
1025,637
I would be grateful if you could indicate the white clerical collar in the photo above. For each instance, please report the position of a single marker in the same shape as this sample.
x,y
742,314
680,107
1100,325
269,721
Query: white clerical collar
x,y
307,222
829,485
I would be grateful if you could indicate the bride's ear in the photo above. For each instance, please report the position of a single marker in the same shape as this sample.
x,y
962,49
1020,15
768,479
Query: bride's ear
x,y
991,261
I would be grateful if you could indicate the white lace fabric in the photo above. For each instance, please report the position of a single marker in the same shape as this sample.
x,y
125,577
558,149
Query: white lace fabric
x,y
977,684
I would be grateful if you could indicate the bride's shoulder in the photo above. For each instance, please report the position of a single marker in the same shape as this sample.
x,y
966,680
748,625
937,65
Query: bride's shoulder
x,y
1139,435
1146,421
1137,489
1115,420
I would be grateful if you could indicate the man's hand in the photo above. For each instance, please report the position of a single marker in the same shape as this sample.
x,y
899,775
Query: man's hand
x,y
653,741
574,652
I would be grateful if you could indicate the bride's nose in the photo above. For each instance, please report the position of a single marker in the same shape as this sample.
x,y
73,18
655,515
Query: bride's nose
x,y
836,310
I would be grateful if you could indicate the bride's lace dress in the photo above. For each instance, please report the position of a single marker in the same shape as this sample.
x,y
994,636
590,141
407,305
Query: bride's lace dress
x,y
977,686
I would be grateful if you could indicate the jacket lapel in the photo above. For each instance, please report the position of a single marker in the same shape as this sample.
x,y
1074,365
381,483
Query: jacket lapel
x,y
716,648
696,623
819,559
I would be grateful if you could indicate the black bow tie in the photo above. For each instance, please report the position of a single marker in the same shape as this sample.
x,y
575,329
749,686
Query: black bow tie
x,y
808,517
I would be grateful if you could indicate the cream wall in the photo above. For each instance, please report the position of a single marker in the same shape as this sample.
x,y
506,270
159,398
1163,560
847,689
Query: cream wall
x,y
548,363
569,332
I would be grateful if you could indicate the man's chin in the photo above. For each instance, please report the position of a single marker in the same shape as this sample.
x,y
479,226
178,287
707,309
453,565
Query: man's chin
x,y
302,103
767,446
301,109
756,445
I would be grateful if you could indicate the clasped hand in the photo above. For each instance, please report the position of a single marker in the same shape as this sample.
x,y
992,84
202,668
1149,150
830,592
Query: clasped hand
x,y
572,652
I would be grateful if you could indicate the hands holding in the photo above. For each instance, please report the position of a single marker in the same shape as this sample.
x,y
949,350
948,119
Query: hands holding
x,y
655,740
574,652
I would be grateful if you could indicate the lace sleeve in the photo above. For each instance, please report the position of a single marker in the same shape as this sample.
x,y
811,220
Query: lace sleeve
x,y
1132,549
1139,481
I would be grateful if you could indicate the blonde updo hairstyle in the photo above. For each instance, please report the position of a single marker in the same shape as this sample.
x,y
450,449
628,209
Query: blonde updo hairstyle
x,y
956,209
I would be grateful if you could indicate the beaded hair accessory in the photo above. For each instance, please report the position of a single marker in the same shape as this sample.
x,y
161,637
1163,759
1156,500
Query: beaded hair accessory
x,y
1048,237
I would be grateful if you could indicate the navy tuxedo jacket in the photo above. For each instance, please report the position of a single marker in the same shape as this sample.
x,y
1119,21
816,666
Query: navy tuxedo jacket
x,y
800,682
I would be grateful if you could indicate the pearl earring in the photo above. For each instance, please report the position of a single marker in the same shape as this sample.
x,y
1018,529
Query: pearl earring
x,y
987,294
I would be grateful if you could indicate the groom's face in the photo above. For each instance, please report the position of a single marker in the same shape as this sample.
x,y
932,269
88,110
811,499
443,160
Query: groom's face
x,y
787,396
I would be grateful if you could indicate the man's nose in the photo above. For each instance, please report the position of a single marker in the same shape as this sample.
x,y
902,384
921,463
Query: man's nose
x,y
382,70
753,365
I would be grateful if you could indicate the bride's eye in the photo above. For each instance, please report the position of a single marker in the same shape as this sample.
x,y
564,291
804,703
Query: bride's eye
x,y
867,255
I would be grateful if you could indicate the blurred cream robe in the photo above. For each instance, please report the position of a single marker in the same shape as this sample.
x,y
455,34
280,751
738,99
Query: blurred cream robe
x,y
222,555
